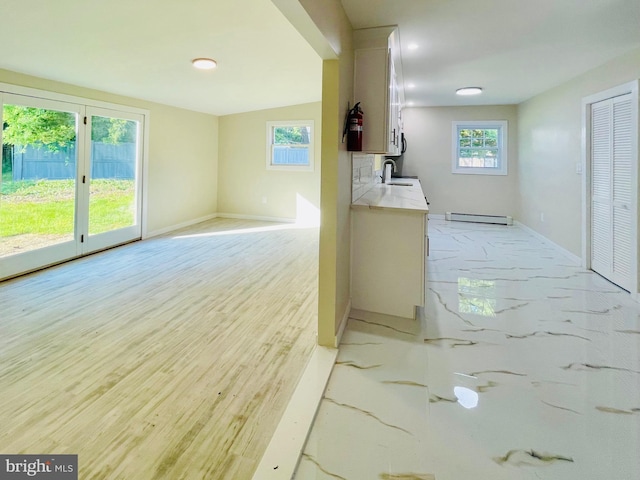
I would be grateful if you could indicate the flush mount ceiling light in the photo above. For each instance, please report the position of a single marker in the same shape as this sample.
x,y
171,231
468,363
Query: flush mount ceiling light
x,y
469,91
204,63
412,46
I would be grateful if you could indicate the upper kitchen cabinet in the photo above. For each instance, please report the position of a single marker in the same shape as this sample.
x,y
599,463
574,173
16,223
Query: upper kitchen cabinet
x,y
378,88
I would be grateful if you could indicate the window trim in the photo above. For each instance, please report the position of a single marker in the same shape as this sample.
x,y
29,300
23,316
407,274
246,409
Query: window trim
x,y
270,145
503,135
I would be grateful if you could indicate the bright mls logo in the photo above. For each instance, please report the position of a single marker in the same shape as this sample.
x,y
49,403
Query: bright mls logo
x,y
46,467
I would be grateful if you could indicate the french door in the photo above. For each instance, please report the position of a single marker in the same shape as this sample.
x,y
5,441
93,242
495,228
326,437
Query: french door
x,y
71,181
111,179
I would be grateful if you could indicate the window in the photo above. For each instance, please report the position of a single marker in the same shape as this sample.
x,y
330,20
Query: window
x,y
290,145
480,147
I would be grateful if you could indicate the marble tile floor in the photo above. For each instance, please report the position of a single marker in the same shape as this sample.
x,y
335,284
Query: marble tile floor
x,y
522,366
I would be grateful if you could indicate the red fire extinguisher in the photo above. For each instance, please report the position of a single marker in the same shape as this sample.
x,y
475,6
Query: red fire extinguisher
x,y
355,119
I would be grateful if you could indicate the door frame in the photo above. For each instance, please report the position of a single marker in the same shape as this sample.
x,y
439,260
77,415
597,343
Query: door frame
x,y
626,88
82,103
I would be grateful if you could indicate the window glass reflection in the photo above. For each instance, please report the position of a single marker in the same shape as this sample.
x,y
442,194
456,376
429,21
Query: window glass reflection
x,y
476,296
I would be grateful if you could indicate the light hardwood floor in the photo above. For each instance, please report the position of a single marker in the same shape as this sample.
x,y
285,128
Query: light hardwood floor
x,y
168,358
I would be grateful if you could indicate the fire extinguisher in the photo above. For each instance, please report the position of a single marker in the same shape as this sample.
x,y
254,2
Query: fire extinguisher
x,y
355,119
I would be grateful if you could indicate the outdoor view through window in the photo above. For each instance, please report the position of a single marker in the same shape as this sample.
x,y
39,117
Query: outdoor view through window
x,y
69,176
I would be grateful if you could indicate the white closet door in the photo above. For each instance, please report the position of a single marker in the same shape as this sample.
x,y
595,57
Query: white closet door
x,y
601,224
611,168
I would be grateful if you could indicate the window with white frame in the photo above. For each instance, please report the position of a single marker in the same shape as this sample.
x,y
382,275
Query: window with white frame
x,y
290,145
479,147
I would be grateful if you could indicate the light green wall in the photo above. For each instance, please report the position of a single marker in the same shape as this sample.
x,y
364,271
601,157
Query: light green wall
x,y
334,280
549,133
244,178
183,154
429,137
324,24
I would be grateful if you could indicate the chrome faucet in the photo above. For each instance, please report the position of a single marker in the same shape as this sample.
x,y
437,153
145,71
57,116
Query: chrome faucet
x,y
384,166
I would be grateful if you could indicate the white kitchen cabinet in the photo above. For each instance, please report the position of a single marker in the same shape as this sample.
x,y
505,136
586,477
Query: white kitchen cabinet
x,y
389,248
378,88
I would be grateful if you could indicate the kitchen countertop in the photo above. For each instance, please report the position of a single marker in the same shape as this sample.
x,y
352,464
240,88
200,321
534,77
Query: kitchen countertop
x,y
386,196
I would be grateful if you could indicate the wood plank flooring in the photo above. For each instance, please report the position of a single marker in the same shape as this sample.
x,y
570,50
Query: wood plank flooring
x,y
168,358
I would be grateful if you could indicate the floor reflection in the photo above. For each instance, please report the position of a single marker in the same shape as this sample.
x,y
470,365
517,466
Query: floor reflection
x,y
476,296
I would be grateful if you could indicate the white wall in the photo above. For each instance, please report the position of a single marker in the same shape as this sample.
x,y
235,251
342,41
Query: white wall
x,y
428,156
549,133
244,178
183,154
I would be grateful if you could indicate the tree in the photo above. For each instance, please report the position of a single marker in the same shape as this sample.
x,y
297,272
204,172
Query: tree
x,y
292,135
38,127
54,129
112,130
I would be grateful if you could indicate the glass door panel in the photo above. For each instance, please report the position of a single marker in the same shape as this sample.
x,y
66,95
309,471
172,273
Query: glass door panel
x,y
114,172
38,185
112,195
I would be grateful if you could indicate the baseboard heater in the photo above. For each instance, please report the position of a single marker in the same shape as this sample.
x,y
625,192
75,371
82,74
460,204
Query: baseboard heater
x,y
472,217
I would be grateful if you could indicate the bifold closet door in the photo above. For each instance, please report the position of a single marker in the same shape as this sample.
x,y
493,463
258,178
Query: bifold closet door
x,y
611,195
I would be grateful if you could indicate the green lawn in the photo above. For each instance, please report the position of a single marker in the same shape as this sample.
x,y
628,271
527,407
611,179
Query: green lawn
x,y
47,206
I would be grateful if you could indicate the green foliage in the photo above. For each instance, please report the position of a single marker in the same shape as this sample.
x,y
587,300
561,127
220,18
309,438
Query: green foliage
x,y
478,143
113,130
38,127
55,130
291,135
479,137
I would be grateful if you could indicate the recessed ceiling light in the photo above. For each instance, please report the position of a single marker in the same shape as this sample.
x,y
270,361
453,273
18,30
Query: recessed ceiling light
x,y
469,91
412,46
411,85
410,104
204,63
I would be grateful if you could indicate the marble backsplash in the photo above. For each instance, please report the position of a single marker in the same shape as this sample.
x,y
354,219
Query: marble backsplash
x,y
363,174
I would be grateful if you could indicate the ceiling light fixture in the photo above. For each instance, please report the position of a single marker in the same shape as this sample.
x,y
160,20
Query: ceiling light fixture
x,y
469,91
411,85
204,63
412,46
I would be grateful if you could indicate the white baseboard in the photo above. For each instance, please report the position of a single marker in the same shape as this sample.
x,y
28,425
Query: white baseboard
x,y
436,216
557,247
257,217
343,324
281,458
188,223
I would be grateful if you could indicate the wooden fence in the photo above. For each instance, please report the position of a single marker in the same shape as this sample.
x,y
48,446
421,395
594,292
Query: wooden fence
x,y
107,161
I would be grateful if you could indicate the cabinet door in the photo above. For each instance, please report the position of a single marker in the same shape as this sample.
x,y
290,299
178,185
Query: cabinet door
x,y
371,90
392,109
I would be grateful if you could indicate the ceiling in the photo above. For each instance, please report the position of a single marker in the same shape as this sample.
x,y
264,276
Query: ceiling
x,y
144,48
513,49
